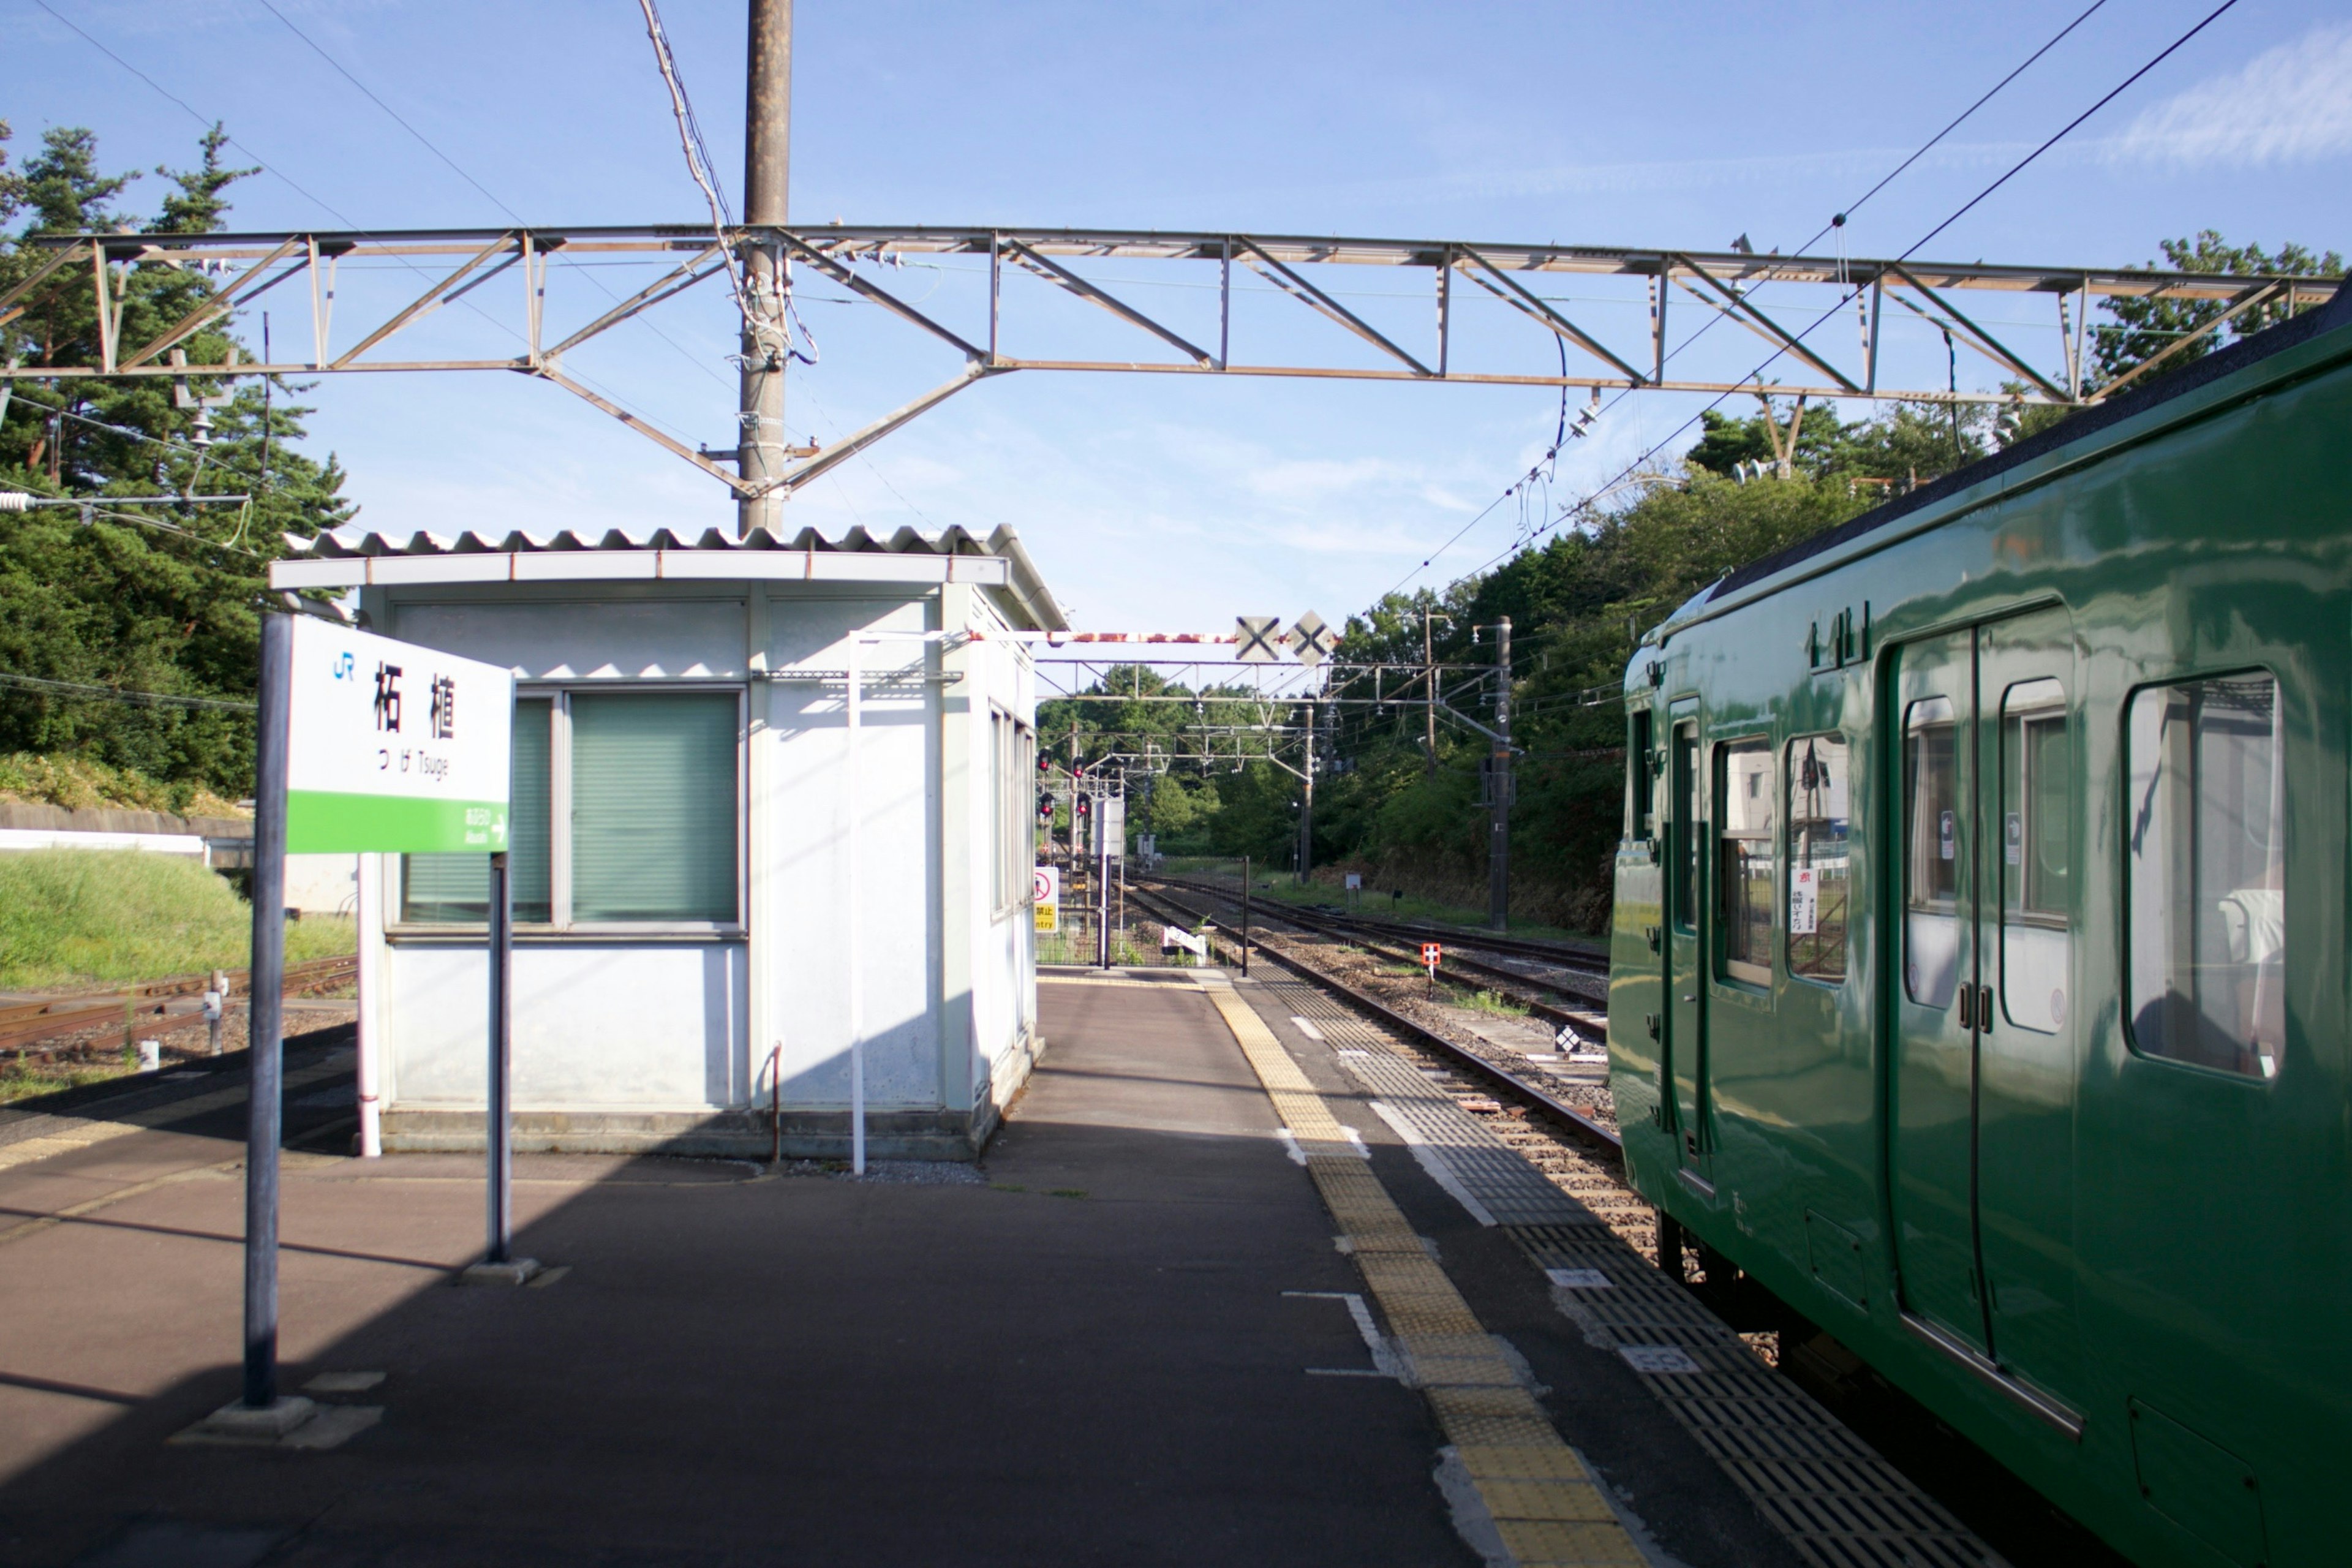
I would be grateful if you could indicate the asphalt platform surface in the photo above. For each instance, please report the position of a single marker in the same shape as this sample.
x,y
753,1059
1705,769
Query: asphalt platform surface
x,y
1096,1348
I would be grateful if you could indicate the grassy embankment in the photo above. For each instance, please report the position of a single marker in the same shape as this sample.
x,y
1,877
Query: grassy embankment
x,y
71,919
74,919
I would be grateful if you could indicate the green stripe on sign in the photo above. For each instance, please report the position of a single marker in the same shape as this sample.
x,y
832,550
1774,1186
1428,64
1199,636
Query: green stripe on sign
x,y
321,823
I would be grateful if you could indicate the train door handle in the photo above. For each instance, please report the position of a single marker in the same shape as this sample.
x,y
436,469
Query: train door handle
x,y
1984,1009
1967,1008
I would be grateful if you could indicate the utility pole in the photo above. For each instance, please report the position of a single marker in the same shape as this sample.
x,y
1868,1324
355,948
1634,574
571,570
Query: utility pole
x,y
767,166
1306,804
1498,788
1429,703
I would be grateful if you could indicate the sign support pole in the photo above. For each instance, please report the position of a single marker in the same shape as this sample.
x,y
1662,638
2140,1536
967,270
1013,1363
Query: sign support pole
x,y
857,964
265,1092
499,1133
1244,915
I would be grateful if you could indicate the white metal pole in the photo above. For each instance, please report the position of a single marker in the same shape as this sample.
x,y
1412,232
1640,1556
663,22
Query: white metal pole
x,y
370,907
856,969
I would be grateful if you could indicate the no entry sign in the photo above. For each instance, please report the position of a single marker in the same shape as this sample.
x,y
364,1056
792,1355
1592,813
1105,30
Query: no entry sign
x,y
393,746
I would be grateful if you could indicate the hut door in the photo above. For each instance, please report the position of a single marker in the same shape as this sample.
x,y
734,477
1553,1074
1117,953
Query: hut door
x,y
1932,1121
1685,1046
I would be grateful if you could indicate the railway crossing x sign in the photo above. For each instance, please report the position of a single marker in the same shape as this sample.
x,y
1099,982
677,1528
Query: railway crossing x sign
x,y
1312,638
1261,639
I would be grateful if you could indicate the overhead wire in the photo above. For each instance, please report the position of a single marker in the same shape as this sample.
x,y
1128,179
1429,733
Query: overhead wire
x,y
428,145
1837,222
1755,374
288,180
132,695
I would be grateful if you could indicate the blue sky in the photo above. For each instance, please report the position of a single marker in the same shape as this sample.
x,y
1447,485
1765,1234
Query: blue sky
x,y
1161,502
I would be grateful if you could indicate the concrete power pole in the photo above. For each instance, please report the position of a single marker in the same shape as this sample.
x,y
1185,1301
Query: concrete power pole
x,y
1306,803
767,167
1498,788
1429,702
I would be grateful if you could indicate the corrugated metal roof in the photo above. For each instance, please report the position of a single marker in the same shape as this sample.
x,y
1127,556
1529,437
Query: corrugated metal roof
x,y
672,553
342,545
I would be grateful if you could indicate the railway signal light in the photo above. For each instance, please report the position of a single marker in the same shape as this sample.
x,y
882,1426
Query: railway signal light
x,y
1045,807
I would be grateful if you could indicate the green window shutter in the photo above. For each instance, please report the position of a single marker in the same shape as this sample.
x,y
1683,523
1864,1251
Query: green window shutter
x,y
653,806
441,889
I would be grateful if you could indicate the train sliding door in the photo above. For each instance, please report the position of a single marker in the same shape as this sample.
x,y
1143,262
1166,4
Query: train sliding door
x,y
1982,1114
1932,1126
1685,1043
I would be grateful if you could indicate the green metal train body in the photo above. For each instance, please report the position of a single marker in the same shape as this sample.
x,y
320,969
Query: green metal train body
x,y
1978,968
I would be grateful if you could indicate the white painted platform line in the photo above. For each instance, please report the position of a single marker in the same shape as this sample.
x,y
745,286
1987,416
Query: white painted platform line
x,y
1385,1361
1434,1161
1307,1028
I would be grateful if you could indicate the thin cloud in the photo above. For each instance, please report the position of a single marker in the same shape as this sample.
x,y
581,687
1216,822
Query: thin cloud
x,y
2290,105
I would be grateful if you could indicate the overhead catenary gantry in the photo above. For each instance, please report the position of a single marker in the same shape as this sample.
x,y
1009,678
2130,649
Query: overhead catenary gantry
x,y
1794,321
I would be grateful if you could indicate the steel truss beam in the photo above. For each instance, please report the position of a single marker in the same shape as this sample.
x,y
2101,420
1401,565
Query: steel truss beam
x,y
1804,288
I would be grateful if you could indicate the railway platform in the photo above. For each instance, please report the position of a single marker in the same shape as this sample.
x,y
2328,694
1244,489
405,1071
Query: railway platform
x,y
1236,1282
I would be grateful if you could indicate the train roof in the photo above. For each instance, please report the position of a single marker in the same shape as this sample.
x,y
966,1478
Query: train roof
x,y
2247,351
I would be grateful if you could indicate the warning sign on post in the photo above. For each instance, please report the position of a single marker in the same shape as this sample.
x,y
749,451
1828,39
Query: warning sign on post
x,y
391,746
1804,901
1047,897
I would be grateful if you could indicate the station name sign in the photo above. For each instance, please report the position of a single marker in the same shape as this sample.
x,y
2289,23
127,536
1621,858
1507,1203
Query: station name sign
x,y
395,747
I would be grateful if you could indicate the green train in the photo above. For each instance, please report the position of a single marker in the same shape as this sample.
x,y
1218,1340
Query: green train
x,y
1978,974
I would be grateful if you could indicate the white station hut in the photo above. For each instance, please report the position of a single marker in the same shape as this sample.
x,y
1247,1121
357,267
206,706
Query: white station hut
x,y
684,805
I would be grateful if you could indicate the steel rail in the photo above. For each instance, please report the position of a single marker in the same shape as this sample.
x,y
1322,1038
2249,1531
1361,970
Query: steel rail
x,y
1558,954
1380,1012
1522,988
27,1023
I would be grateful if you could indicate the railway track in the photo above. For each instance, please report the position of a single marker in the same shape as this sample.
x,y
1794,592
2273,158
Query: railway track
x,y
1557,954
1534,991
1521,1084
27,1023
1538,996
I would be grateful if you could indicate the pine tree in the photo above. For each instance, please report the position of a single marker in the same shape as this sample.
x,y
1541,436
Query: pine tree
x,y
147,598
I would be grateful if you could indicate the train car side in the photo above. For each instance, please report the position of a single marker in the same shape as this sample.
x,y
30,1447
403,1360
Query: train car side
x,y
1978,976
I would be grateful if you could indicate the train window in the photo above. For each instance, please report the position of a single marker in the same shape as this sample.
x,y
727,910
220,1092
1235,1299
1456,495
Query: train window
x,y
1743,813
1686,826
1931,833
2037,791
1818,882
2206,866
1641,811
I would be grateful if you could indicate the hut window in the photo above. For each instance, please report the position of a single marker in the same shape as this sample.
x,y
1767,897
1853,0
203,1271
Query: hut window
x,y
653,805
627,800
1744,808
1016,811
2205,833
443,889
1819,807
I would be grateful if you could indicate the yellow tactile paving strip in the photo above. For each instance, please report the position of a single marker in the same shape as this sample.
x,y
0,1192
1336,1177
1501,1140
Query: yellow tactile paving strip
x,y
1544,1502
